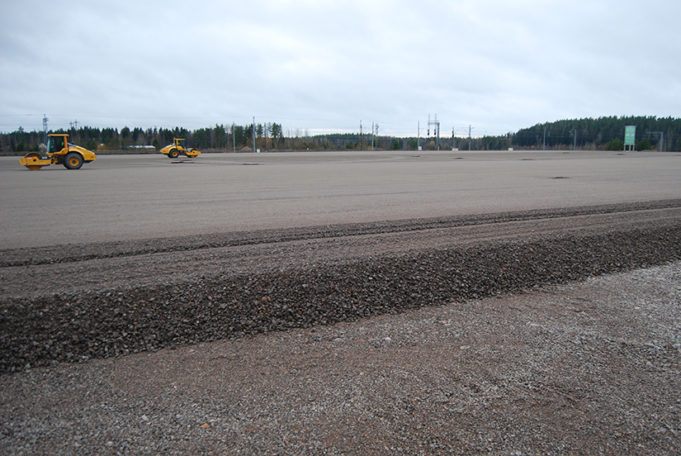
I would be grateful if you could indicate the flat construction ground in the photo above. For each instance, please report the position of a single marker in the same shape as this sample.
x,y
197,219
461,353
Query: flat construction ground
x,y
343,303
147,196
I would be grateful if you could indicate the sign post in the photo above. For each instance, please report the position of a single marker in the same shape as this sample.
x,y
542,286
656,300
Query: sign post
x,y
630,137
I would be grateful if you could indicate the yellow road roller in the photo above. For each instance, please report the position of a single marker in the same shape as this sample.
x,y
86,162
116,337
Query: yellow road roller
x,y
178,148
59,152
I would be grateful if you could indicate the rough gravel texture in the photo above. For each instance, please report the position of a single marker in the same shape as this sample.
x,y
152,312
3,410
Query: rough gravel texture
x,y
434,336
581,368
100,321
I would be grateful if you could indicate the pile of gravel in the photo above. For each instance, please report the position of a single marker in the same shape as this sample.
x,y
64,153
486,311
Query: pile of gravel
x,y
98,324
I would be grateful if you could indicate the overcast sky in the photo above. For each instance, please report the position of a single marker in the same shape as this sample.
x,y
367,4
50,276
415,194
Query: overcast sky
x,y
327,65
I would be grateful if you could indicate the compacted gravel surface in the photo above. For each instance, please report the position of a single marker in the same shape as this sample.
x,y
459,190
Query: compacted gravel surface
x,y
366,364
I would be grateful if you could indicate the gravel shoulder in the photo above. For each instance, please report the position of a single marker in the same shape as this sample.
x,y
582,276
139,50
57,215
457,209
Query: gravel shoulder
x,y
580,368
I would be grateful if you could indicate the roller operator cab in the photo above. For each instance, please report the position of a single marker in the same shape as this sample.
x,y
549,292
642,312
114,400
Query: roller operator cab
x,y
178,148
59,152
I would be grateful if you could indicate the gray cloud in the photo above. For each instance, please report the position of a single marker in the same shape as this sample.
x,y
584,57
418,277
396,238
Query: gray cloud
x,y
312,65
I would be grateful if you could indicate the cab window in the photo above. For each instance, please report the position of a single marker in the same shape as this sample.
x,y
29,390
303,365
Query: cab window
x,y
55,143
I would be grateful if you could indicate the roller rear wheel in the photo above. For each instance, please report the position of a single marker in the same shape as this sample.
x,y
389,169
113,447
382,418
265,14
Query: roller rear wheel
x,y
73,161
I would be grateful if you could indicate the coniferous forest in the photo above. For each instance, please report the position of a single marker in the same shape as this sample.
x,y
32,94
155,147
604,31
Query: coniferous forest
x,y
603,133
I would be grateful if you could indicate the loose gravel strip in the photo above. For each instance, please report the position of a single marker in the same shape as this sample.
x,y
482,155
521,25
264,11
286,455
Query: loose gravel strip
x,y
167,268
100,324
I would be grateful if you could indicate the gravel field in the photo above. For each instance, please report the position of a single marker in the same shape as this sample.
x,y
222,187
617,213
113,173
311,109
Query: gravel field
x,y
523,303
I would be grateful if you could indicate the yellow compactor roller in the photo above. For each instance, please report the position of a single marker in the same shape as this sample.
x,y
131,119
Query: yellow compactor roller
x,y
59,152
178,148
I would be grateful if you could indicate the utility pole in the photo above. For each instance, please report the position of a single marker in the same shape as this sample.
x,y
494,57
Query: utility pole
x,y
436,130
376,134
360,136
233,139
469,137
45,128
574,133
372,136
418,135
661,135
544,141
253,134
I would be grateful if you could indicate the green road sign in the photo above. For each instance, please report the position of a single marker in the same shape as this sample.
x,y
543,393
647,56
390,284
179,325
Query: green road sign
x,y
630,135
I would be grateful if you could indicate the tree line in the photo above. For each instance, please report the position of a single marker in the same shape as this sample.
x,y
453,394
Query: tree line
x,y
588,133
215,138
602,133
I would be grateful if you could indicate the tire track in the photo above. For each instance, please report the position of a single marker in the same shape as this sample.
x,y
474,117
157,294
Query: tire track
x,y
67,253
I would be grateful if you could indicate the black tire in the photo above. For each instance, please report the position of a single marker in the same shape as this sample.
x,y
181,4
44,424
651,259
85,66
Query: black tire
x,y
173,153
73,161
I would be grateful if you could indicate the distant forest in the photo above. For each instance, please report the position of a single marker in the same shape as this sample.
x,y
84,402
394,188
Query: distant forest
x,y
604,133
